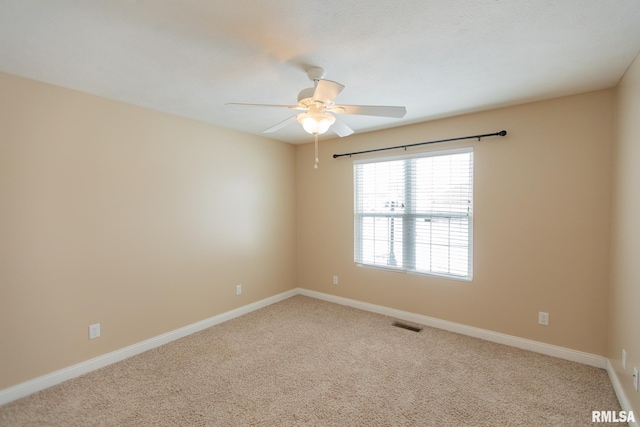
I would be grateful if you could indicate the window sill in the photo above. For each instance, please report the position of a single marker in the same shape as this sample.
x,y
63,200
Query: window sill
x,y
417,273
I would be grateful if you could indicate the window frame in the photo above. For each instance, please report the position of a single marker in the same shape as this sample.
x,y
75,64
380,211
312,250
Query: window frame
x,y
409,237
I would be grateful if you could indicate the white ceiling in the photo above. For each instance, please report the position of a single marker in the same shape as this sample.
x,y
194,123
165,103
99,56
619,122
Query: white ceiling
x,y
436,57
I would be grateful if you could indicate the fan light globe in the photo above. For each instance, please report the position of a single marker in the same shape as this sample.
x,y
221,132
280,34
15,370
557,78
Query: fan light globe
x,y
316,123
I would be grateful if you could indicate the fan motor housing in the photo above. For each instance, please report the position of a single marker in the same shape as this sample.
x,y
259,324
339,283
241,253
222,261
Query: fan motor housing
x,y
306,94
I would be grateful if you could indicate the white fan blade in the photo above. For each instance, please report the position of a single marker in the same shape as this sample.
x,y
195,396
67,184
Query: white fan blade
x,y
370,110
326,91
291,107
280,125
341,129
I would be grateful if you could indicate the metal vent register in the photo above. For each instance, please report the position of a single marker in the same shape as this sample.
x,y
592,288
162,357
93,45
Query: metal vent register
x,y
405,326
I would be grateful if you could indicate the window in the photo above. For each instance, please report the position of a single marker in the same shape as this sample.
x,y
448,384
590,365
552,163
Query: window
x,y
415,213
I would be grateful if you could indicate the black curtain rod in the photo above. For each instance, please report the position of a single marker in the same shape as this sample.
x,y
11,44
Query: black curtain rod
x,y
501,133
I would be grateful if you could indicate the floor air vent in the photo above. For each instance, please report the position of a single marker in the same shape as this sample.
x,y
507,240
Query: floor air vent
x,y
405,326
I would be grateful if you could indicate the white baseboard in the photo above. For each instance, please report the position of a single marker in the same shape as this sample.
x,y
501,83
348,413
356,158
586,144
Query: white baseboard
x,y
525,344
23,389
620,394
20,390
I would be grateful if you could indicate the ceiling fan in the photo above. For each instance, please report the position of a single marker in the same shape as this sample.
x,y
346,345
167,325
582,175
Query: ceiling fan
x,y
318,106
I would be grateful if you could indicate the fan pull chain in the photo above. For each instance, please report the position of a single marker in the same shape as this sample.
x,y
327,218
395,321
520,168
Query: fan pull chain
x,y
316,165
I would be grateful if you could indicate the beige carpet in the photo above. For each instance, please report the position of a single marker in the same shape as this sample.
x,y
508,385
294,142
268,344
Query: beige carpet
x,y
308,362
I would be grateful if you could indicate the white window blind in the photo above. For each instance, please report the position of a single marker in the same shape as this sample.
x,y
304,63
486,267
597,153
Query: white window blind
x,y
415,213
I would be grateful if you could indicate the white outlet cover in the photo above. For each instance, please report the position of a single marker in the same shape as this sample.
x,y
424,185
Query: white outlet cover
x,y
238,289
635,378
624,359
543,318
94,331
335,280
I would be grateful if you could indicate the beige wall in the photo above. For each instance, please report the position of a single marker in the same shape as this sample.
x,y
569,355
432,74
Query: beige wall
x,y
541,227
138,220
115,214
624,328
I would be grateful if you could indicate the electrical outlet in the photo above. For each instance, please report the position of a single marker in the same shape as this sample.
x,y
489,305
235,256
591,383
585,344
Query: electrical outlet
x,y
335,280
635,378
624,359
543,318
94,331
238,289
